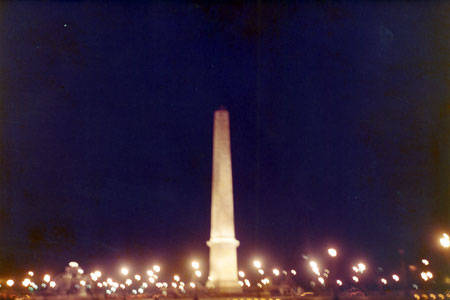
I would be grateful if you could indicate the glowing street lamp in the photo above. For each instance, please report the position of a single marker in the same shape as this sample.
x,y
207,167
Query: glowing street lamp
x,y
257,264
26,282
361,267
332,252
47,278
156,268
445,240
195,265
314,267
124,271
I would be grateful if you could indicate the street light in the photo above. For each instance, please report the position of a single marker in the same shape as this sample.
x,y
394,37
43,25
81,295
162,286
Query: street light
x,y
124,271
332,252
257,264
445,240
47,278
195,265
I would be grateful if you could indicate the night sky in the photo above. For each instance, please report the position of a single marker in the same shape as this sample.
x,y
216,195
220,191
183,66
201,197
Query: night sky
x,y
339,119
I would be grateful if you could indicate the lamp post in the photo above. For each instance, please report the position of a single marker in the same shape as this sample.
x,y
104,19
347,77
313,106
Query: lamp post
x,y
333,254
197,275
124,271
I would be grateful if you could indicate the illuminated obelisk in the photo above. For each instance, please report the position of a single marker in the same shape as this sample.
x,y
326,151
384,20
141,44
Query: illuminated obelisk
x,y
223,245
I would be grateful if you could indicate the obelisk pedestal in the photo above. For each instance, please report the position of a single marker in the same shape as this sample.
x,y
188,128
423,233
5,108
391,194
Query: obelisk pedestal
x,y
223,245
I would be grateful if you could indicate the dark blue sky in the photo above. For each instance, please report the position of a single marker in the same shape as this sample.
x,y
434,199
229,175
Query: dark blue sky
x,y
339,128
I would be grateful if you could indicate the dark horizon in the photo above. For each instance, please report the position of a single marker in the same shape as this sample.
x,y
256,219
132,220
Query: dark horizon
x,y
338,115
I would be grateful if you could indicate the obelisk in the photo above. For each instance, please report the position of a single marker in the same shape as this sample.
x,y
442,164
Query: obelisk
x,y
223,245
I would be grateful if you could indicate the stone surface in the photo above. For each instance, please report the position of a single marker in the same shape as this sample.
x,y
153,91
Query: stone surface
x,y
223,244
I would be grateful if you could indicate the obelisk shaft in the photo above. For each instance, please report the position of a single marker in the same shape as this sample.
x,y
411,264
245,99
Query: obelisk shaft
x,y
222,217
223,244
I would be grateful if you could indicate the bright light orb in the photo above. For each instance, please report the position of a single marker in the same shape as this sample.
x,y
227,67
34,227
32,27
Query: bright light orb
x,y
429,275
98,274
332,252
424,276
124,271
82,282
261,271
128,281
355,278
31,273
137,277
195,265
241,274
192,285
445,240
47,278
339,283
198,273
10,282
156,268
276,272
321,280
383,281
73,264
26,282
293,272
176,278
425,262
395,277
361,267
257,264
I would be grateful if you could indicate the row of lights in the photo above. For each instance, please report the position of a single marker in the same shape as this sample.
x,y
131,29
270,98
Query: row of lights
x,y
360,268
